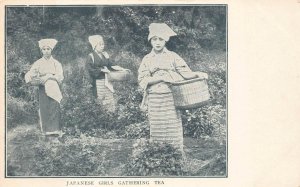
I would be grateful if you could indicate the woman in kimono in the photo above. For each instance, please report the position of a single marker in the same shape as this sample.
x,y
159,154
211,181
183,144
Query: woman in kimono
x,y
49,74
98,65
158,69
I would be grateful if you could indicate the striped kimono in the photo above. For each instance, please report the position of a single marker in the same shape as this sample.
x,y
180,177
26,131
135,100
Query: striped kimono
x,y
164,118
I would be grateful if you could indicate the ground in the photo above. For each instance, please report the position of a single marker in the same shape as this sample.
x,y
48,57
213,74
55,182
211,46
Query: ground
x,y
23,142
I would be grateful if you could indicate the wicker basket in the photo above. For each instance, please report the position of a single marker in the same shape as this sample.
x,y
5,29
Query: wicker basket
x,y
119,76
190,94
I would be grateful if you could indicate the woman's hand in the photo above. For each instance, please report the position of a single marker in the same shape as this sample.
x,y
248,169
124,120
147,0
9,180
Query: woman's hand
x,y
167,79
105,70
119,68
189,75
202,75
45,78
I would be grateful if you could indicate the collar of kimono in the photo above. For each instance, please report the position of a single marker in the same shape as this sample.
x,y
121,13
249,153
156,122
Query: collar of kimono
x,y
50,59
101,54
164,50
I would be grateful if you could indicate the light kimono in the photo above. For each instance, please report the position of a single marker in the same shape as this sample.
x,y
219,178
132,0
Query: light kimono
x,y
50,95
167,64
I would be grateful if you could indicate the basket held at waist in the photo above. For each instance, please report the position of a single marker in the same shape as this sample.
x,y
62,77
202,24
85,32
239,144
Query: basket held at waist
x,y
190,93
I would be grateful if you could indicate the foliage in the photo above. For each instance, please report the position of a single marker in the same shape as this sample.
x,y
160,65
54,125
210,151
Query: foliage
x,y
214,64
197,26
79,107
129,100
201,41
216,166
30,154
205,121
80,110
154,159
137,130
74,157
205,157
20,111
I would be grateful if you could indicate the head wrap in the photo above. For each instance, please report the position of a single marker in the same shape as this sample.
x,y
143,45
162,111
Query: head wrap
x,y
95,39
161,30
47,42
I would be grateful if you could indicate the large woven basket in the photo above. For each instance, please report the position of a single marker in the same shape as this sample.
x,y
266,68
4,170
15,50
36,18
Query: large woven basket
x,y
119,76
190,94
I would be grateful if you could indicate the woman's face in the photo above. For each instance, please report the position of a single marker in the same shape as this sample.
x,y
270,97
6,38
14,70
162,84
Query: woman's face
x,y
158,43
46,51
99,47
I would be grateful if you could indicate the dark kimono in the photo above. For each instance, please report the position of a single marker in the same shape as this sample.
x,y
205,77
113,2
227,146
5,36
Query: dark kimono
x,y
100,90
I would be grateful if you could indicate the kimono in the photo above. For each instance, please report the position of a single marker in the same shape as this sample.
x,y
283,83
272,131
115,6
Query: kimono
x,y
49,94
165,120
101,88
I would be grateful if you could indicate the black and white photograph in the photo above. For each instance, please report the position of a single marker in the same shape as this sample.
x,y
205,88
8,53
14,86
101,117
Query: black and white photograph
x,y
116,90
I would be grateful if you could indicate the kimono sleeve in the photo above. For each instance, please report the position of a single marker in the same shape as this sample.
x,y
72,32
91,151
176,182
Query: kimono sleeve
x,y
59,75
180,64
144,74
91,69
32,72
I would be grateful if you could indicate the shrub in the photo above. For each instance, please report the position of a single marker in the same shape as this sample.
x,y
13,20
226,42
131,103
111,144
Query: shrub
x,y
75,157
20,111
137,130
81,111
79,107
208,120
154,159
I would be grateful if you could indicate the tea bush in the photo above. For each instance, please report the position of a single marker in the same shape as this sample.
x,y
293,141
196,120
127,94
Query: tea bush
x,y
73,157
154,159
19,111
208,120
79,107
137,130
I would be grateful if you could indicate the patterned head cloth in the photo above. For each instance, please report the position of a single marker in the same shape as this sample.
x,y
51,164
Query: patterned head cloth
x,y
95,39
47,42
161,30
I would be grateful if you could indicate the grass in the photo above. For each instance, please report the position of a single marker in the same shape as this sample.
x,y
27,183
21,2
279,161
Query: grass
x,y
26,146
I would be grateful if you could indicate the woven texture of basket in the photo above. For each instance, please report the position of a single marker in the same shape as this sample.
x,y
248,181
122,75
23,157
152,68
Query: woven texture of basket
x,y
119,75
190,94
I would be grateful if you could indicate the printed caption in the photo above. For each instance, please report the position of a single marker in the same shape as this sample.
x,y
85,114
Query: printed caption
x,y
114,182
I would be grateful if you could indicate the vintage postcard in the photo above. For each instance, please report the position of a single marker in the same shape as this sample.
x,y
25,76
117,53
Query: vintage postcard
x,y
107,93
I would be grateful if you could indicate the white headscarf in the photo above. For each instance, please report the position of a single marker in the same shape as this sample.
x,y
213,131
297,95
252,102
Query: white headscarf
x,y
47,42
160,30
95,39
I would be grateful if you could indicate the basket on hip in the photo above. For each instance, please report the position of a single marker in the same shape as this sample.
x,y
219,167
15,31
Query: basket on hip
x,y
36,81
190,94
123,75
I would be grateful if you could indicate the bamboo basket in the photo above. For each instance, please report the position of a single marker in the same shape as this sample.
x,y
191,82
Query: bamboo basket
x,y
118,76
191,93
